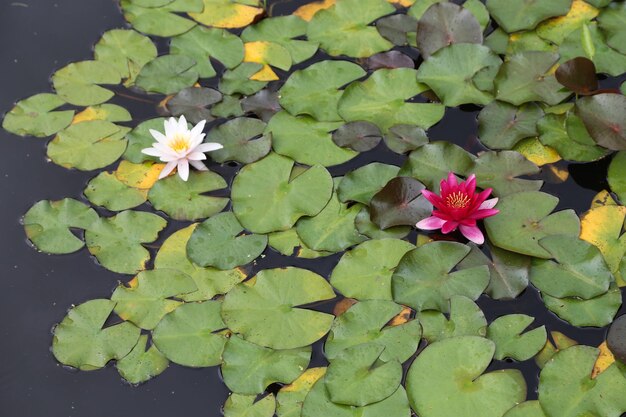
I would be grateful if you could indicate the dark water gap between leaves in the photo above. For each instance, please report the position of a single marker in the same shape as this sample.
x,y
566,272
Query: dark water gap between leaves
x,y
38,288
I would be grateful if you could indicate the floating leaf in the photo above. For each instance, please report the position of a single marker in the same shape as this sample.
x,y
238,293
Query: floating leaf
x,y
167,74
106,111
287,242
405,138
466,319
363,183
230,106
264,104
556,29
291,397
427,277
141,365
445,24
270,365
525,15
536,152
603,226
193,103
267,53
265,312
358,136
159,21
266,186
526,409
366,227
611,21
616,338
34,116
307,11
203,44
314,90
109,192
78,83
561,342
49,224
358,377
561,131
117,241
381,99
589,42
525,219
365,271
127,50
81,341
243,140
189,335
604,115
568,375
148,297
605,359
617,175
506,333
396,28
238,80
499,170
306,140
329,27
218,242
228,14
209,281
140,138
238,405
579,75
435,374
502,125
399,203
595,312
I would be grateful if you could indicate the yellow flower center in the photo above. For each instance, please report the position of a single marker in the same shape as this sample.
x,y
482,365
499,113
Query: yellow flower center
x,y
457,200
180,143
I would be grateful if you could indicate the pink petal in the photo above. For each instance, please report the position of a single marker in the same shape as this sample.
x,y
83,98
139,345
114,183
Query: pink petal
x,y
482,214
198,165
488,204
452,181
471,184
482,196
183,169
430,223
430,196
473,234
449,226
167,169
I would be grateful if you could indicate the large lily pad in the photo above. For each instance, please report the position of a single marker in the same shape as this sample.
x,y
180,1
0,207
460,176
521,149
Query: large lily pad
x,y
160,21
425,279
228,14
242,139
500,171
604,116
363,183
265,311
81,341
127,50
506,333
78,83
238,405
513,17
34,116
193,103
611,21
267,187
399,203
502,125
107,191
168,74
595,312
453,369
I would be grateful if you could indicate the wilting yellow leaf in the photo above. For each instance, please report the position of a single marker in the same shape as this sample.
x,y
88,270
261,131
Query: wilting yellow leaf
x,y
603,198
265,74
403,3
605,359
555,174
133,283
88,114
142,176
305,381
226,14
403,317
537,152
557,28
266,53
602,226
307,11
343,305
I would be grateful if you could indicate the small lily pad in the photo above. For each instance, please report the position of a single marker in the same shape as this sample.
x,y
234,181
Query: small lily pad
x,y
506,333
243,140
193,103
358,136
238,405
465,319
500,171
502,125
405,138
34,116
291,397
127,50
142,364
604,115
617,175
525,15
167,74
107,191
363,183
79,83
399,203
579,75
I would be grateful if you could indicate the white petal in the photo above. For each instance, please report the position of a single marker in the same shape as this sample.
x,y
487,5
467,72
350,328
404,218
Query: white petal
x,y
151,152
158,136
488,204
167,169
196,140
165,150
183,169
168,158
196,156
197,129
182,124
198,165
208,147
171,127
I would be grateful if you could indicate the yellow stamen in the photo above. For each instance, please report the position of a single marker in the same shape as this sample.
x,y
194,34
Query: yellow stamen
x,y
180,143
457,200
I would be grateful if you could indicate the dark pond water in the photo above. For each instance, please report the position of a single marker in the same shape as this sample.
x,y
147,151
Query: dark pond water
x,y
40,36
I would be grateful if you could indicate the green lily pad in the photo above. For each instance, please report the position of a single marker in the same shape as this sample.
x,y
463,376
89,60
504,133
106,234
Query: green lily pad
x,y
243,140
230,106
509,271
238,79
109,192
78,83
611,21
203,44
159,21
48,225
526,409
445,24
266,186
399,203
358,377
527,76
185,200
291,397
265,311
595,312
461,73
568,375
465,319
264,104
617,175
506,333
365,271
88,145
227,13
306,140
140,138
209,281
358,136
382,99
193,103
314,90
81,341
578,269
525,219
369,322
34,116
453,369
127,50
499,170
116,242
405,138
363,183
289,243
190,335
501,125
525,15
141,365
589,42
558,132
167,74
329,27
269,365
149,296
604,116
432,162
367,227
218,242
238,405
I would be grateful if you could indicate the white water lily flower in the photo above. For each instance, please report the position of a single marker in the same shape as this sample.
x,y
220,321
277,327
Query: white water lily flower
x,y
180,147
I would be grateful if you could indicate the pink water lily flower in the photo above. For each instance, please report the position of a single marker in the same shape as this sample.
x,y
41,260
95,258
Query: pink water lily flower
x,y
459,206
